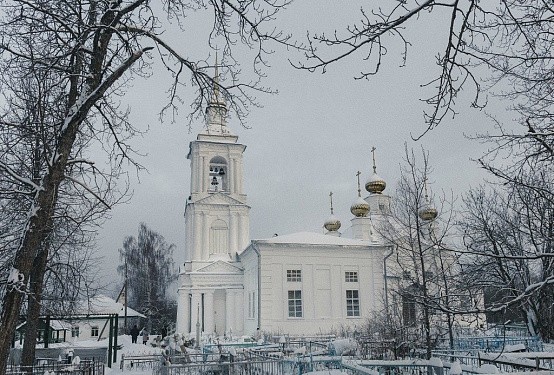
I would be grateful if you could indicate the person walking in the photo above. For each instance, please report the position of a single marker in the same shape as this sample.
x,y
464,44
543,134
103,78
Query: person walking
x,y
144,336
134,334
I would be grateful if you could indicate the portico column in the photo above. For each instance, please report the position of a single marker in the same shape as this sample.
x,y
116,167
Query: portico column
x,y
209,311
229,310
239,314
183,311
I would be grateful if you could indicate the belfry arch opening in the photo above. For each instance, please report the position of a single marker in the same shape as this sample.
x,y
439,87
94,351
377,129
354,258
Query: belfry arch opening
x,y
218,175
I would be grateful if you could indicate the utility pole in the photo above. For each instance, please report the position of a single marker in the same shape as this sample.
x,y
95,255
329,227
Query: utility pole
x,y
125,286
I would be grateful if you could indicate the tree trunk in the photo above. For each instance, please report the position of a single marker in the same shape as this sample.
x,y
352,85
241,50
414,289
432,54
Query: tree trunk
x,y
33,310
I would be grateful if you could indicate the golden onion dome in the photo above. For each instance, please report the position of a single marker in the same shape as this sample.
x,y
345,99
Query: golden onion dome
x,y
375,184
428,213
332,224
360,208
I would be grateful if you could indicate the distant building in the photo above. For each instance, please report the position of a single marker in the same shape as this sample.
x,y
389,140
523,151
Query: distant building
x,y
89,321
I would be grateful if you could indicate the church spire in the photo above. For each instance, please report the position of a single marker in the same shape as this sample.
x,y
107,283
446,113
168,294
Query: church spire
x,y
215,92
217,108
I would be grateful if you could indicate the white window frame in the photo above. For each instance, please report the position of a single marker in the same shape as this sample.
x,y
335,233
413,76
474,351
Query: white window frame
x,y
352,303
351,276
294,304
94,331
294,276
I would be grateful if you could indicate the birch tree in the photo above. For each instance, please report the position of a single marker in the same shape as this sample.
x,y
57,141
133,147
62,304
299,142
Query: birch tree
x,y
91,50
149,270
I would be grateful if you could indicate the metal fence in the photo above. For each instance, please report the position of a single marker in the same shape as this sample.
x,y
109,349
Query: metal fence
x,y
497,343
267,367
57,368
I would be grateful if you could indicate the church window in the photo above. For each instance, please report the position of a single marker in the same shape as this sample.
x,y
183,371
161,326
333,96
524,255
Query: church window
x,y
294,275
219,237
218,175
408,310
352,303
295,303
94,332
252,305
351,277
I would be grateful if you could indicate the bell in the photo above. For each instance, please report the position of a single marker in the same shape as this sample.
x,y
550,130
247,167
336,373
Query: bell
x,y
214,181
211,169
221,172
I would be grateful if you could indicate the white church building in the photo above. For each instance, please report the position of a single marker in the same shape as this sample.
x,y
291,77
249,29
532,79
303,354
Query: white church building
x,y
301,283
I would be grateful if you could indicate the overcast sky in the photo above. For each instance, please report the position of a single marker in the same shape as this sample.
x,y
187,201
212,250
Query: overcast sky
x,y
306,141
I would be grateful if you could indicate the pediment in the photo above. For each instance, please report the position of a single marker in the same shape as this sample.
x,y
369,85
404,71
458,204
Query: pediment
x,y
219,198
220,266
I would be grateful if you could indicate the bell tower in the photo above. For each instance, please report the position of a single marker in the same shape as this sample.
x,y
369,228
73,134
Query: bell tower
x,y
216,228
216,213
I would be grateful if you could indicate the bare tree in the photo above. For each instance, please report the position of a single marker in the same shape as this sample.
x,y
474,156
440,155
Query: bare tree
x,y
500,48
90,50
60,265
424,265
508,232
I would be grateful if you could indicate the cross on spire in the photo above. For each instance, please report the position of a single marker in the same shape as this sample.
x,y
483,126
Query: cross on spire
x,y
359,190
425,187
331,198
216,79
373,157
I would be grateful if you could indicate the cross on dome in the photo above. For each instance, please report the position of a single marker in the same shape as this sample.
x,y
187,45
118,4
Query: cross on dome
x,y
332,224
375,184
360,207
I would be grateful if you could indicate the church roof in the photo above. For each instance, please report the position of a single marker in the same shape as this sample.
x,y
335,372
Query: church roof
x,y
311,238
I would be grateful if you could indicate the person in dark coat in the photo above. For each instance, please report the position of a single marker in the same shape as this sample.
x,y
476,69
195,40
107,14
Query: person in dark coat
x,y
134,334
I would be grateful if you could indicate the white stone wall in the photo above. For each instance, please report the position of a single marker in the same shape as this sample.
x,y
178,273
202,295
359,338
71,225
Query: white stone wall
x,y
249,260
323,300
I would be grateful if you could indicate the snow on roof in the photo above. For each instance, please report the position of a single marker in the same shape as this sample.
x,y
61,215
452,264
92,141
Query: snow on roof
x,y
311,238
101,305
60,325
57,325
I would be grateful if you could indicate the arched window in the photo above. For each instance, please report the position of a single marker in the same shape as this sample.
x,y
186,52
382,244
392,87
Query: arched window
x,y
219,238
218,175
